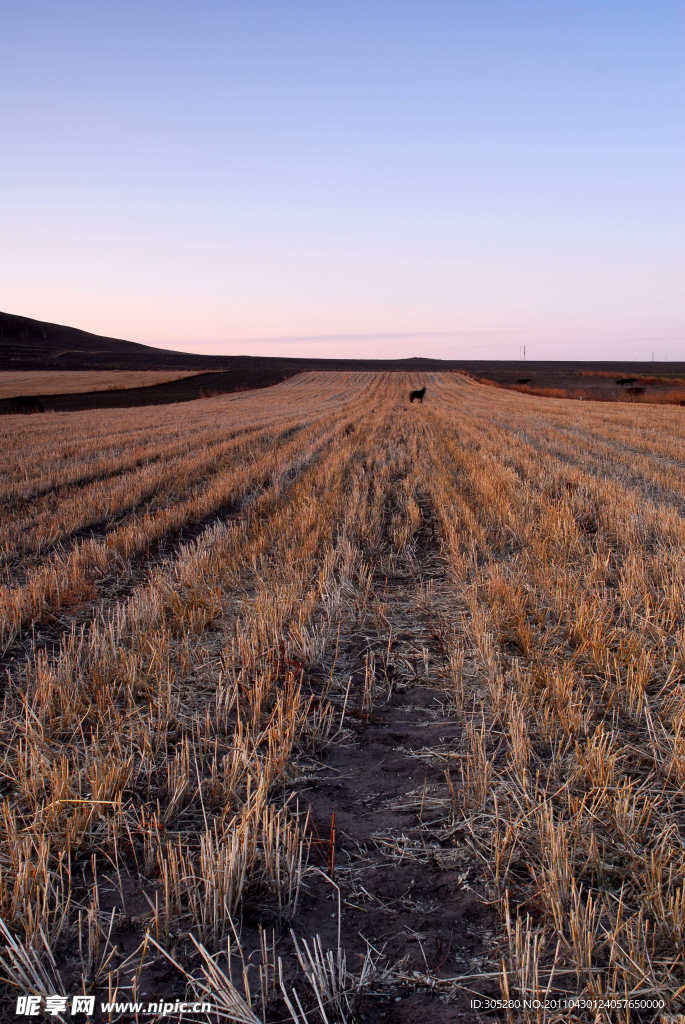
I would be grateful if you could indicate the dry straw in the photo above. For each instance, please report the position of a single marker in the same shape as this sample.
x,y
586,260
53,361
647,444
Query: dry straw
x,y
203,575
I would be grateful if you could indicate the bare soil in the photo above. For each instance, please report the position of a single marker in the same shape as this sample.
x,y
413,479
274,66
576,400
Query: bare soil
x,y
185,389
598,382
403,891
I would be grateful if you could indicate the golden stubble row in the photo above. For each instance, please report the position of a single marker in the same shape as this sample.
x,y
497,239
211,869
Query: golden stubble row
x,y
567,566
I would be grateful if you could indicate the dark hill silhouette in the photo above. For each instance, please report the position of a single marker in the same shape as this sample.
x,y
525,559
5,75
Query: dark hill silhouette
x,y
27,344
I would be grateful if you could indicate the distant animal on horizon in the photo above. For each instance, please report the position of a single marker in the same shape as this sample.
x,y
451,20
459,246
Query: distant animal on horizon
x,y
26,403
419,393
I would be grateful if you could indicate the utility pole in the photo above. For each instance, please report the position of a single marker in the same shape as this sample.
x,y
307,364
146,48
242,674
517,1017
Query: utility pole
x,y
524,353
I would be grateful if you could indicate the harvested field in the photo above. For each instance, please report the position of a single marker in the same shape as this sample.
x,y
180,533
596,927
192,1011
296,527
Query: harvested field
x,y
380,706
29,344
68,382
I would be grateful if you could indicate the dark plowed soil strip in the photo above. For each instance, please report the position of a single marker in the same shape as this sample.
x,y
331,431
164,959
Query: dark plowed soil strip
x,y
402,891
187,389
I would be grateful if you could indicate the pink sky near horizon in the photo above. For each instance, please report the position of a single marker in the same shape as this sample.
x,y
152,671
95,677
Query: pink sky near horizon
x,y
360,179
509,345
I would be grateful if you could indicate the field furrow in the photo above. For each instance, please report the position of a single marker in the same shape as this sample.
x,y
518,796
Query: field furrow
x,y
409,678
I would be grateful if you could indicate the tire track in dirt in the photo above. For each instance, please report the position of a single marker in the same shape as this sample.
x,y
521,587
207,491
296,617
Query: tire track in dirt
x,y
404,892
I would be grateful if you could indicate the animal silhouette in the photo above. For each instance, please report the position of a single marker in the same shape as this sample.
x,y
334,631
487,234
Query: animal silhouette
x,y
26,403
419,393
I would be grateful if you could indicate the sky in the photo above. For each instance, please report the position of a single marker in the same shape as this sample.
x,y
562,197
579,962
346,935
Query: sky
x,y
280,177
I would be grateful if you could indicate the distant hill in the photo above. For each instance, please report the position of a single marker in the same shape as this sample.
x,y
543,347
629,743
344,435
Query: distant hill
x,y
27,344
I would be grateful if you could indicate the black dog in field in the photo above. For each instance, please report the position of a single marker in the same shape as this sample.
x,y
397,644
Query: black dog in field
x,y
26,403
417,394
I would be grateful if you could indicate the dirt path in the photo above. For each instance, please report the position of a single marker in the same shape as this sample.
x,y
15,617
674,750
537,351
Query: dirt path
x,y
404,892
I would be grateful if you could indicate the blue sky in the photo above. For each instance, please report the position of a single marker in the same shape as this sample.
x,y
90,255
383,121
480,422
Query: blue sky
x,y
453,179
